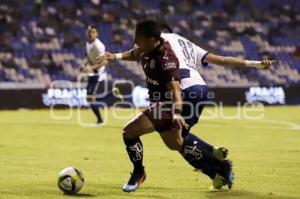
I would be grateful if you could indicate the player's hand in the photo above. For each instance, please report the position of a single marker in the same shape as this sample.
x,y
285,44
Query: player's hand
x,y
102,61
86,69
266,64
110,56
179,122
81,67
107,57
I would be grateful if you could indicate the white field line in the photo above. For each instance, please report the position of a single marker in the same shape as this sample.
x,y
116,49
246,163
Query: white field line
x,y
290,124
285,124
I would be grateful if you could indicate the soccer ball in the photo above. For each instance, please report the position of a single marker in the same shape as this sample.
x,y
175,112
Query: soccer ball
x,y
70,180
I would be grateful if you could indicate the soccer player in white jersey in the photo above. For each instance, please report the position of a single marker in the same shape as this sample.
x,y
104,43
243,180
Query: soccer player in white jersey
x,y
156,53
96,75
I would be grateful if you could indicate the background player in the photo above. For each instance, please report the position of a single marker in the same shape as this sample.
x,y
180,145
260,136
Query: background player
x,y
96,75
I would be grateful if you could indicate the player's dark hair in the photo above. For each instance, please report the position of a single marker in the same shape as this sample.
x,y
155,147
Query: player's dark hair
x,y
148,28
165,28
92,26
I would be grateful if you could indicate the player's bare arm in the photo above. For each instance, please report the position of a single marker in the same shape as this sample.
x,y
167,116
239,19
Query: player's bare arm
x,y
90,69
238,62
131,55
86,68
84,64
174,87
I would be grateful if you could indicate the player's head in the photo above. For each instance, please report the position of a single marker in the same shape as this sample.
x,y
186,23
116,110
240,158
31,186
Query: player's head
x,y
165,28
92,32
147,35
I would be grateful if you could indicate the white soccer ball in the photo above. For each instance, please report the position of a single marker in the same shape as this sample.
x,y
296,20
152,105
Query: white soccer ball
x,y
70,180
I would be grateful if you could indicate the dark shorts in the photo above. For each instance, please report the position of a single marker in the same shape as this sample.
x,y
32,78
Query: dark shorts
x,y
101,91
196,96
160,113
92,85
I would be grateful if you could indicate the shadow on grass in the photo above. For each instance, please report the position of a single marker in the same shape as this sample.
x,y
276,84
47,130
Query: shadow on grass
x,y
106,191
243,194
81,195
162,193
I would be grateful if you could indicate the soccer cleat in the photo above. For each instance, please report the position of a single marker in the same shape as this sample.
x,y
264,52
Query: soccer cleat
x,y
220,153
99,122
225,177
137,177
218,182
228,173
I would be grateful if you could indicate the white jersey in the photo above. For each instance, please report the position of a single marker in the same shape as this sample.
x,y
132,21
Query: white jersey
x,y
190,57
94,50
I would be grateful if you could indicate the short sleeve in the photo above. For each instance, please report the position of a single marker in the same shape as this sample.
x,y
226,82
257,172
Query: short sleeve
x,y
201,55
100,47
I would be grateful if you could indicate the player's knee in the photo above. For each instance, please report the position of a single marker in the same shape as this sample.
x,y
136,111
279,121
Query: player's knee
x,y
128,136
174,146
127,133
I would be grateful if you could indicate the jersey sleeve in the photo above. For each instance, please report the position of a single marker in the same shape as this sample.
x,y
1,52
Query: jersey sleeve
x,y
100,47
201,54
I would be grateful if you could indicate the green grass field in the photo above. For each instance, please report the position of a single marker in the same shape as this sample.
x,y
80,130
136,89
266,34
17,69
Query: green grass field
x,y
34,148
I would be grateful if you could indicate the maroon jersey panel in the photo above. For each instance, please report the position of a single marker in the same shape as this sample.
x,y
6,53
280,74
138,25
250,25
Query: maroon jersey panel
x,y
160,67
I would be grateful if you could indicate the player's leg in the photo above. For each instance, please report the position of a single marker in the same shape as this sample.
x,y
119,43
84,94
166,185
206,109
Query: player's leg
x,y
192,150
195,99
98,90
196,154
96,111
137,127
172,139
218,152
92,88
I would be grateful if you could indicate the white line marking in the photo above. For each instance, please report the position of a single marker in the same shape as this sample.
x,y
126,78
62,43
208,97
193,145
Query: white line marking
x,y
285,124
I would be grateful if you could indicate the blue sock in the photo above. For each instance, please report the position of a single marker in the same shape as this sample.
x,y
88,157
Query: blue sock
x,y
204,145
95,109
199,155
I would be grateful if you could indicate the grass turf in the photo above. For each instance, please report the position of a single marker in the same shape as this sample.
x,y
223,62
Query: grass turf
x,y
34,147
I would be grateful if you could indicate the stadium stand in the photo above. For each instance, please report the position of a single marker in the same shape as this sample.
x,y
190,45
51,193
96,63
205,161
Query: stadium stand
x,y
43,40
